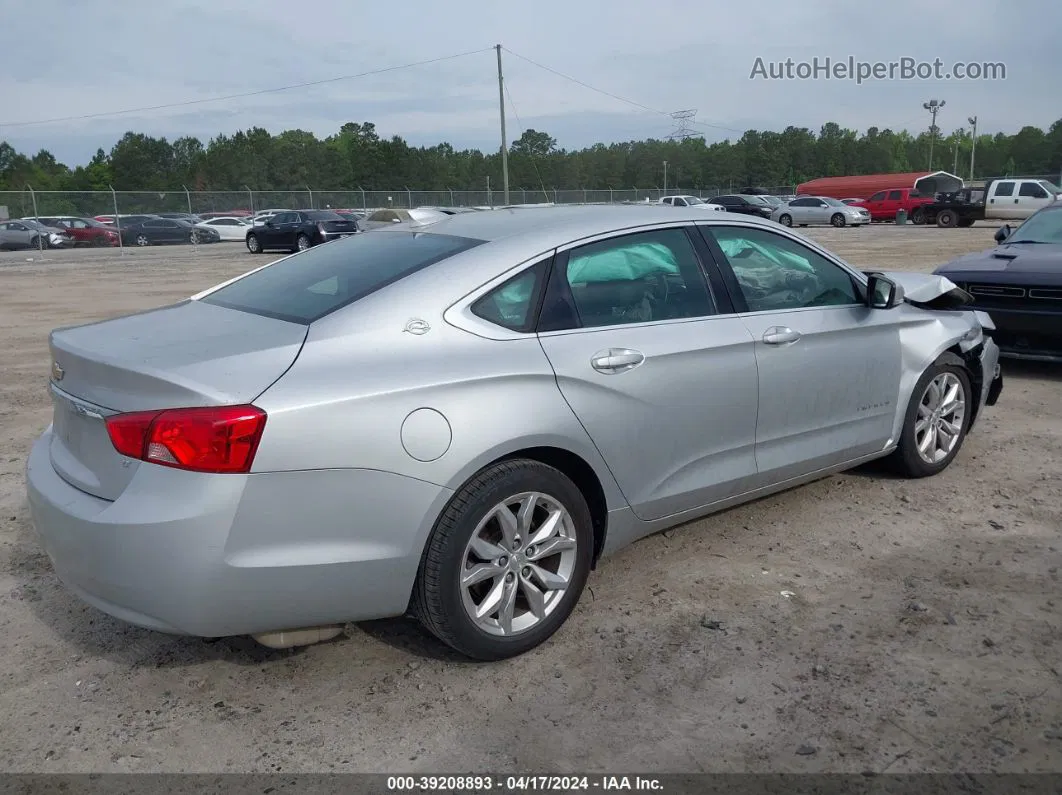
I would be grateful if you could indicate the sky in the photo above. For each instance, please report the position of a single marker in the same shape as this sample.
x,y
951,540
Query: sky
x,y
627,65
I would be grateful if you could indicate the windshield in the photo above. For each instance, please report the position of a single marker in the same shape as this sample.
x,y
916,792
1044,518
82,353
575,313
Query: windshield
x,y
324,215
774,201
1051,187
320,280
1042,227
833,202
757,200
691,200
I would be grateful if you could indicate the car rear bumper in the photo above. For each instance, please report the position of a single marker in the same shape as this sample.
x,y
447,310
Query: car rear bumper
x,y
218,555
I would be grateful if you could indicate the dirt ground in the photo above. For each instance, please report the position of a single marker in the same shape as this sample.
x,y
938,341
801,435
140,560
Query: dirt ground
x,y
921,627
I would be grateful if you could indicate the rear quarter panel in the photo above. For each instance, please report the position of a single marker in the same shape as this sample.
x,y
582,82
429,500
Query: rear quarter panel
x,y
345,400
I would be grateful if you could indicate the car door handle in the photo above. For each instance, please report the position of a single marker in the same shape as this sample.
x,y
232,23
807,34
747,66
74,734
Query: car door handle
x,y
780,335
616,360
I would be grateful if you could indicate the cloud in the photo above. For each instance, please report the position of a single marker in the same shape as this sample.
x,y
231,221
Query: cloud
x,y
97,56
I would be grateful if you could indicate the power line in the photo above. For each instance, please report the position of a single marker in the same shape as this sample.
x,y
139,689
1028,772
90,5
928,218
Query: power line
x,y
523,129
189,102
617,97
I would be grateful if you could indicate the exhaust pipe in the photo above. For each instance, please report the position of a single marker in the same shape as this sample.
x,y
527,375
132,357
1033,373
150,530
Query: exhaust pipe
x,y
291,638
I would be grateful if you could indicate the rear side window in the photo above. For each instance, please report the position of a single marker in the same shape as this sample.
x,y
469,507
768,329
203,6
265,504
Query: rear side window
x,y
895,195
1005,189
511,305
317,282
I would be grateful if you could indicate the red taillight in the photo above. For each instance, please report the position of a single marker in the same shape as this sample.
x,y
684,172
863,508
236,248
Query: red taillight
x,y
208,439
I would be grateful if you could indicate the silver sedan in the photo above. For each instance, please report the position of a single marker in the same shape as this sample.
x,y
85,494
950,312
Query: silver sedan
x,y
30,233
819,211
461,419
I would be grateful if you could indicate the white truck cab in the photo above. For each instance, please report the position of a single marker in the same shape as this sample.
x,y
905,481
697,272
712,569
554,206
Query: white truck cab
x,y
1017,199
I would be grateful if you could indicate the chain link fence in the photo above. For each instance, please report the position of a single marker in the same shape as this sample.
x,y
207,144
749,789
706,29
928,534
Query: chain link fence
x,y
89,204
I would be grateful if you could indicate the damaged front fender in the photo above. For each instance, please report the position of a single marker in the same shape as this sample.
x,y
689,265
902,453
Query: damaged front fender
x,y
927,290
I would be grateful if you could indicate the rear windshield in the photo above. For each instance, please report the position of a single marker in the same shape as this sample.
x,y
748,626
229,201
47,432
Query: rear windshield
x,y
324,215
306,287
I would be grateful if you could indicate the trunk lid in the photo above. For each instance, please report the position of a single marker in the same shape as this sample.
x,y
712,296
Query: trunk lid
x,y
339,226
188,354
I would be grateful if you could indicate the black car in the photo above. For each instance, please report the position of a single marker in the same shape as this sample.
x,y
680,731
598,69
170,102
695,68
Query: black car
x,y
156,231
746,204
1019,285
189,217
297,230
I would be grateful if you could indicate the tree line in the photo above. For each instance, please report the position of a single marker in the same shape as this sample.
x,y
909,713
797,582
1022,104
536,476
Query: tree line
x,y
358,157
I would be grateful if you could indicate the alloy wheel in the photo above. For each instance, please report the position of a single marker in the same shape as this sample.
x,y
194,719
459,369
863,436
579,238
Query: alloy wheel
x,y
518,564
941,414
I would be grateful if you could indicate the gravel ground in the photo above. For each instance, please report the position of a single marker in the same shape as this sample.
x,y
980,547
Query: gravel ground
x,y
920,630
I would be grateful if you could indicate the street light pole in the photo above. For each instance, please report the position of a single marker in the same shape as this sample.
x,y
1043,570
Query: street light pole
x,y
973,143
933,106
665,176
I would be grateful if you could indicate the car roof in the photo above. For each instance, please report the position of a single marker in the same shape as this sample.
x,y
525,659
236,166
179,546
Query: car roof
x,y
559,225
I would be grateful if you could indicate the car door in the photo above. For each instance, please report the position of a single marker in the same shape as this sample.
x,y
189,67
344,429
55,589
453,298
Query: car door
x,y
818,212
277,227
829,366
21,234
892,204
656,367
875,205
1031,197
1001,199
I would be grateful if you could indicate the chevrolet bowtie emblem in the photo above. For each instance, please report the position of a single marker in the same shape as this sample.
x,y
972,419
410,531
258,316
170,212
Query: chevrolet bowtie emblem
x,y
57,372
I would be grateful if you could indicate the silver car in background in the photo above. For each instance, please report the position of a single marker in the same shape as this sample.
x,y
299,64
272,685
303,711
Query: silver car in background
x,y
458,421
30,233
819,211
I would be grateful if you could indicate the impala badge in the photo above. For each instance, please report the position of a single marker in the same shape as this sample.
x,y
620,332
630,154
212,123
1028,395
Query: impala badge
x,y
417,326
57,372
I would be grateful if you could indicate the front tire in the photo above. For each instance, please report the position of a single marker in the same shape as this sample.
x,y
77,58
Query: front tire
x,y
302,242
142,240
837,220
506,562
937,419
785,219
918,217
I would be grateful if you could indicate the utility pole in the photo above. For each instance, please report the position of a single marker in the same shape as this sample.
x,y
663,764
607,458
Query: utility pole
x,y
959,136
504,145
933,106
973,144
665,176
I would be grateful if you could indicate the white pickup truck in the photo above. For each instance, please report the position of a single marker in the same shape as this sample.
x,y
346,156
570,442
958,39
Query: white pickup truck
x,y
690,201
1001,199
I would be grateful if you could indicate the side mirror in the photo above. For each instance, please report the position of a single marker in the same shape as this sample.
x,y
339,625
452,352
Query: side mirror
x,y
882,293
1003,233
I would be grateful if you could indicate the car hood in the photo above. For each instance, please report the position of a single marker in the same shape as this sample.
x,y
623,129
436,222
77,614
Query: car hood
x,y
1009,264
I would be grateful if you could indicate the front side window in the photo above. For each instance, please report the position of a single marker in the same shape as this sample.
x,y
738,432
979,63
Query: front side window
x,y
776,273
1032,190
638,278
877,197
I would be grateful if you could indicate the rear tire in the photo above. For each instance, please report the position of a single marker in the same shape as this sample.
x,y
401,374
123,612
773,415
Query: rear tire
x,y
923,449
253,245
785,219
538,587
837,220
947,219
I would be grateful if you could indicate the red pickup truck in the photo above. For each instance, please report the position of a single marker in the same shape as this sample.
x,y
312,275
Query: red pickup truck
x,y
884,204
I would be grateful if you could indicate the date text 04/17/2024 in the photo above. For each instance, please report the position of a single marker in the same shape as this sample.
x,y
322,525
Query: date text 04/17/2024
x,y
473,783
